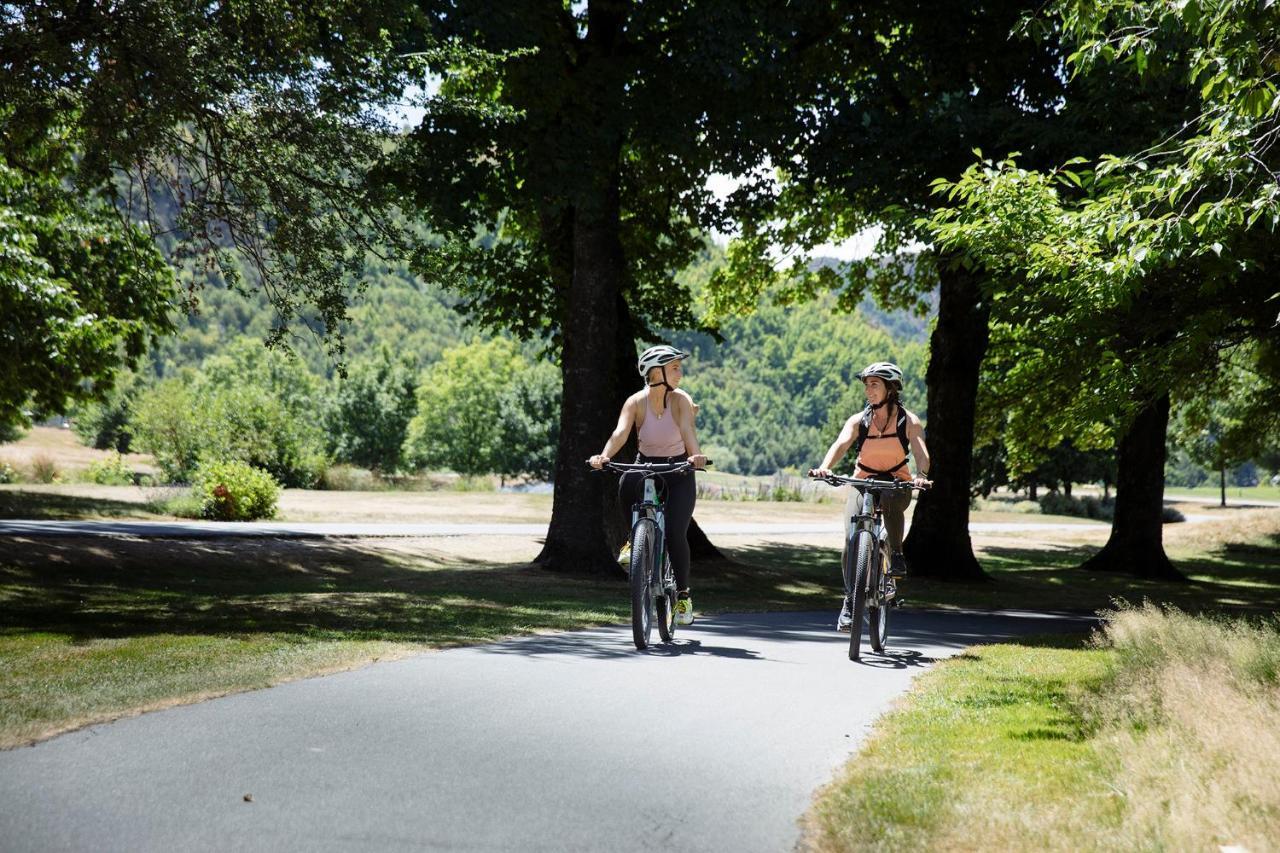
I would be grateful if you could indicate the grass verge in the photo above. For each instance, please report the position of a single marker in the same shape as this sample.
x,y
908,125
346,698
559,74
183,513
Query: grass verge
x,y
1158,734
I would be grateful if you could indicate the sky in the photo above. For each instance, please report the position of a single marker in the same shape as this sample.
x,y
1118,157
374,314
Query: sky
x,y
409,114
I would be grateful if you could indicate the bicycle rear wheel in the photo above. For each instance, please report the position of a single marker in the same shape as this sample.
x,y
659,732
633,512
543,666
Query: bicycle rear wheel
x,y
641,572
878,614
862,564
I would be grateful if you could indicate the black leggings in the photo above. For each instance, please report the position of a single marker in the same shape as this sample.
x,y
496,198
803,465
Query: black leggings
x,y
679,493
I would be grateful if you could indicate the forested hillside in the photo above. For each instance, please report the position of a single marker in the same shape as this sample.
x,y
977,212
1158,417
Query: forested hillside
x,y
773,394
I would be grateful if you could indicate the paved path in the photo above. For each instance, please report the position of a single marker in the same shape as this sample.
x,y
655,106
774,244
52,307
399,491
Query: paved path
x,y
298,529
564,742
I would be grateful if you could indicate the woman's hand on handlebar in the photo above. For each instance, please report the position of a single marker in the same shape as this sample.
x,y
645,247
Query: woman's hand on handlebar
x,y
921,482
820,473
698,460
598,461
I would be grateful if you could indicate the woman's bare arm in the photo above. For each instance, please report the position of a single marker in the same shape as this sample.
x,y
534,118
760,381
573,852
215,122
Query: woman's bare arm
x,y
685,411
915,432
626,420
838,448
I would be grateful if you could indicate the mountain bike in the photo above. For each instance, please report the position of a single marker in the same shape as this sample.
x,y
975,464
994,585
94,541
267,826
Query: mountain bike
x,y
653,581
868,587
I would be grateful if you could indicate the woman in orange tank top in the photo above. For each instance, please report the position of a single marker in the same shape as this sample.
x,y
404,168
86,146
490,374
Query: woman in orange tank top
x,y
883,431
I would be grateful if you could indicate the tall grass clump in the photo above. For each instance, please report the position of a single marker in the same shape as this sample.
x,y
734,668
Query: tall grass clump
x,y
1189,716
44,469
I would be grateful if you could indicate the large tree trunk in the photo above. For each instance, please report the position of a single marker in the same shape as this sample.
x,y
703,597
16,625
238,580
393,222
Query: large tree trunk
x,y
584,503
1135,545
938,545
584,510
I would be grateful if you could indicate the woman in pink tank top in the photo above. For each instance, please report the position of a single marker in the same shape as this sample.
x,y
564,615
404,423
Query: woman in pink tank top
x,y
663,416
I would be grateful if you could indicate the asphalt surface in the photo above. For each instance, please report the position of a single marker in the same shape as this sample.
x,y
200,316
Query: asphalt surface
x,y
564,742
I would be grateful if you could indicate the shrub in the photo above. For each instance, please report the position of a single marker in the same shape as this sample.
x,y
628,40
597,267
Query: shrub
x,y
8,474
104,423
349,478
111,471
480,483
1056,503
44,469
180,423
235,491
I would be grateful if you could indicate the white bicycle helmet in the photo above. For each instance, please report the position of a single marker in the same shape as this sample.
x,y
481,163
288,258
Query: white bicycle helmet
x,y
659,356
886,370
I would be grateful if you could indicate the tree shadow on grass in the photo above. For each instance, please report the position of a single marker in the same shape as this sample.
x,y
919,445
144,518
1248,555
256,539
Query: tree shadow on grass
x,y
330,588
1231,578
50,506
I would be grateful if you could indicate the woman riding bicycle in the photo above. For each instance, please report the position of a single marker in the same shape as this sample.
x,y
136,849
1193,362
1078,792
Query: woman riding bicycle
x,y
881,434
663,418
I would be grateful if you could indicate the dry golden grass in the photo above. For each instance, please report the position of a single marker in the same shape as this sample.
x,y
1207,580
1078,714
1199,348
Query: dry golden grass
x,y
1191,725
63,448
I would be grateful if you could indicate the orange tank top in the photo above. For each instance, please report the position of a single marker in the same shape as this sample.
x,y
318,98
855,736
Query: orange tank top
x,y
882,451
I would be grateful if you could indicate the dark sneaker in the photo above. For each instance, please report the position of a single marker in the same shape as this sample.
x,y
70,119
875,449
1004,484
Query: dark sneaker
x,y
846,617
898,566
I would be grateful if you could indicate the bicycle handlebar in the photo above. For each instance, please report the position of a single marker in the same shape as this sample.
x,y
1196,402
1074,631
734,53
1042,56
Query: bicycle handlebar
x,y
650,467
872,485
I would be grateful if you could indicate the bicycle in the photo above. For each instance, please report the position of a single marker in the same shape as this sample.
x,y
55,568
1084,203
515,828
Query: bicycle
x,y
868,588
653,589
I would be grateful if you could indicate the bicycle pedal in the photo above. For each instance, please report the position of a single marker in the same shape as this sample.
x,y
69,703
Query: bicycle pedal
x,y
898,602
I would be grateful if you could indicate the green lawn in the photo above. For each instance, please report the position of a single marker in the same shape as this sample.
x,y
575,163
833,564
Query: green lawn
x,y
981,748
1113,744
1264,492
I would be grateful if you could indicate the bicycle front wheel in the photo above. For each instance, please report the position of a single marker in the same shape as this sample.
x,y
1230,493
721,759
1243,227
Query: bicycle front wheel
x,y
878,613
862,565
641,573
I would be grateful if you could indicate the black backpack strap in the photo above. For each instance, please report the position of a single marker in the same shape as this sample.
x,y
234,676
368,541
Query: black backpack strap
x,y
863,426
901,427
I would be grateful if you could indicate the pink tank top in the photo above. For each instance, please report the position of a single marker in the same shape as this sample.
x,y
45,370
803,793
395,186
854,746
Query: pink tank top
x,y
659,436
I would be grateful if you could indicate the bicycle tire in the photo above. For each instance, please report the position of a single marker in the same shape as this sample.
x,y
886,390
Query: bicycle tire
x,y
641,572
862,547
667,604
878,615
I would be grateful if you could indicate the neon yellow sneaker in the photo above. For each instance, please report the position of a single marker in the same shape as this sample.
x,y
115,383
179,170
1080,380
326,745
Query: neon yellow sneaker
x,y
624,557
684,609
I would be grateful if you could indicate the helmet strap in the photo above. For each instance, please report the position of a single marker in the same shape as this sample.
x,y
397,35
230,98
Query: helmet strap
x,y
663,384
